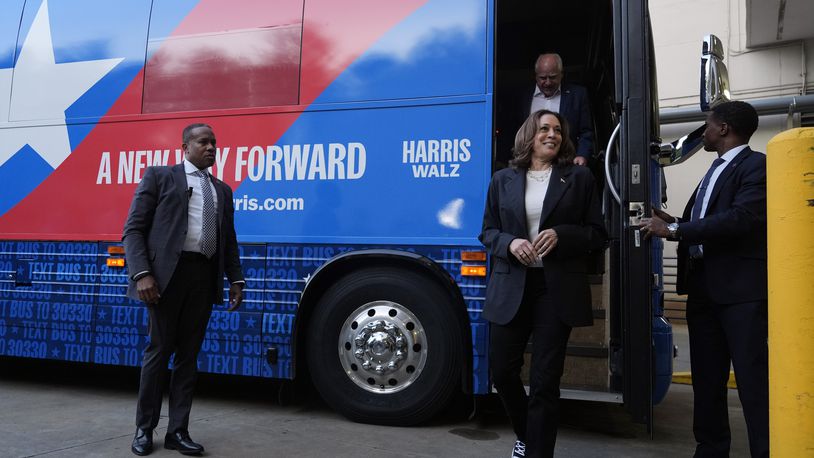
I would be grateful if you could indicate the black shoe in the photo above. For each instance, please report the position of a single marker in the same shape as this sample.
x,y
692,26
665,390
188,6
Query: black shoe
x,y
181,441
143,442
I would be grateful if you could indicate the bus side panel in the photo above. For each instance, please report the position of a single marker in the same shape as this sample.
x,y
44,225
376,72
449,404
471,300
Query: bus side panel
x,y
71,65
284,282
289,266
46,299
408,175
375,52
473,291
232,344
378,167
240,55
120,324
15,185
438,49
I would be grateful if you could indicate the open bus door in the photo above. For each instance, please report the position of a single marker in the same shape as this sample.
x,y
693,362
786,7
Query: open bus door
x,y
626,357
612,57
637,288
631,255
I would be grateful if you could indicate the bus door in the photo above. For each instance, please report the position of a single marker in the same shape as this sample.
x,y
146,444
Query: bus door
x,y
637,276
631,260
581,32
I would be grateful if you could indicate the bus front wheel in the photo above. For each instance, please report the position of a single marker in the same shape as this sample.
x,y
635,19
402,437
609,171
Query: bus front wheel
x,y
384,347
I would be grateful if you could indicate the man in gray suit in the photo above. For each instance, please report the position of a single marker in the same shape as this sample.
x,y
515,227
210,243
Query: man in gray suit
x,y
179,240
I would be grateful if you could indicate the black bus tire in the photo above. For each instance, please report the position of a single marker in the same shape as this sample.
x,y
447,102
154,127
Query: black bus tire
x,y
379,312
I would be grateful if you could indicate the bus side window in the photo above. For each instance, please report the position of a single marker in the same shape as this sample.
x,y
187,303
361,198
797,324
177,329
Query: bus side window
x,y
237,54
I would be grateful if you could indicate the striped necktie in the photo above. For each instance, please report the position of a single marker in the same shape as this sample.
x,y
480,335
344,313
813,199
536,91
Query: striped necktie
x,y
209,225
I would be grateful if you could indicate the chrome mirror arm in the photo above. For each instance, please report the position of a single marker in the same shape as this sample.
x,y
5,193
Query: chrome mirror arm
x,y
681,149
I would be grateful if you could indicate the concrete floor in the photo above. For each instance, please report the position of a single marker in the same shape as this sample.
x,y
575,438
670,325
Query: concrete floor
x,y
52,409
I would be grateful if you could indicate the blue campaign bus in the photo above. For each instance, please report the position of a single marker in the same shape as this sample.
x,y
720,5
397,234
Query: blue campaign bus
x,y
359,138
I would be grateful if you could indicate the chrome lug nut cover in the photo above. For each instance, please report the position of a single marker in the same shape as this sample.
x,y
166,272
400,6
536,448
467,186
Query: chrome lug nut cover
x,y
381,335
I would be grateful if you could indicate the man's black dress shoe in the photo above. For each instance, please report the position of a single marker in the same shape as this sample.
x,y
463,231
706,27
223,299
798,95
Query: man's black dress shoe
x,y
181,441
143,442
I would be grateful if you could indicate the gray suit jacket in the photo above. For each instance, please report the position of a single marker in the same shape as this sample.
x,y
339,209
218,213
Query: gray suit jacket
x,y
571,208
157,224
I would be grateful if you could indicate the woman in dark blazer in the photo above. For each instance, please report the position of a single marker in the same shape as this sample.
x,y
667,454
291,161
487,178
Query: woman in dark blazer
x,y
542,219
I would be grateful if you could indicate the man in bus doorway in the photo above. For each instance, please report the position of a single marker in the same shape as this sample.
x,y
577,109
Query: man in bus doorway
x,y
722,268
179,239
570,100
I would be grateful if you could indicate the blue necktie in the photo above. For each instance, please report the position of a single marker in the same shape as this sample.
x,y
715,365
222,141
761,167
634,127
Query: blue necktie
x,y
695,251
209,225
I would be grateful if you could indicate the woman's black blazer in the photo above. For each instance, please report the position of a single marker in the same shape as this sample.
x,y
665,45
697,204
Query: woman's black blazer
x,y
571,208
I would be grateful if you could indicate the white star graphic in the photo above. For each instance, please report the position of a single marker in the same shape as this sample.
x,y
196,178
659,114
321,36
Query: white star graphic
x,y
450,215
42,91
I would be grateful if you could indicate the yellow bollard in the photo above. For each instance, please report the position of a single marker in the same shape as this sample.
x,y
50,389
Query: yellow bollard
x,y
790,212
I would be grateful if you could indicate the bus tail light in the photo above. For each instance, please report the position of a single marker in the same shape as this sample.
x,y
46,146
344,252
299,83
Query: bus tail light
x,y
473,271
115,249
473,256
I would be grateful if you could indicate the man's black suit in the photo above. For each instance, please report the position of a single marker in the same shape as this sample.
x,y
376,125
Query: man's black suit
x,y
189,284
727,304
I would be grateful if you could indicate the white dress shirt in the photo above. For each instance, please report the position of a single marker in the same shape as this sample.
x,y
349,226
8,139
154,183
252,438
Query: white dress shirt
x,y
192,242
727,157
541,102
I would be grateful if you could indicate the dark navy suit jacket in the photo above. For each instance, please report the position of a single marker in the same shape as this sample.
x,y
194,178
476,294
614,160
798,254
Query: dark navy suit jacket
x,y
157,224
732,232
571,208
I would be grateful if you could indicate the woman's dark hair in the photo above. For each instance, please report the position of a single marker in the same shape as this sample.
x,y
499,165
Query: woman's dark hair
x,y
524,141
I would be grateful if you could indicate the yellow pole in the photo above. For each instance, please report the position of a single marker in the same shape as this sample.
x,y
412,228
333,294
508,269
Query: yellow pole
x,y
790,212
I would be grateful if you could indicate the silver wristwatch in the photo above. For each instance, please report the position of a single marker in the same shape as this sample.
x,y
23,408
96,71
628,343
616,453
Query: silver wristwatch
x,y
672,230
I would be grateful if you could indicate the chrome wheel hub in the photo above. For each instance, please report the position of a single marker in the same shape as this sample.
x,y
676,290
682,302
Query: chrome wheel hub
x,y
382,347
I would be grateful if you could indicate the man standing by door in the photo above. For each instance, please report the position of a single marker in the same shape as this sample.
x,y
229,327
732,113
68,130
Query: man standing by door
x,y
179,239
722,269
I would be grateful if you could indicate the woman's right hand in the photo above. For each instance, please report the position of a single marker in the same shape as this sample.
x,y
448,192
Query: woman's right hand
x,y
524,251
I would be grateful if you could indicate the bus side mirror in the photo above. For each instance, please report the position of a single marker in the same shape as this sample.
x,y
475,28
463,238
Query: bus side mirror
x,y
714,91
714,76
